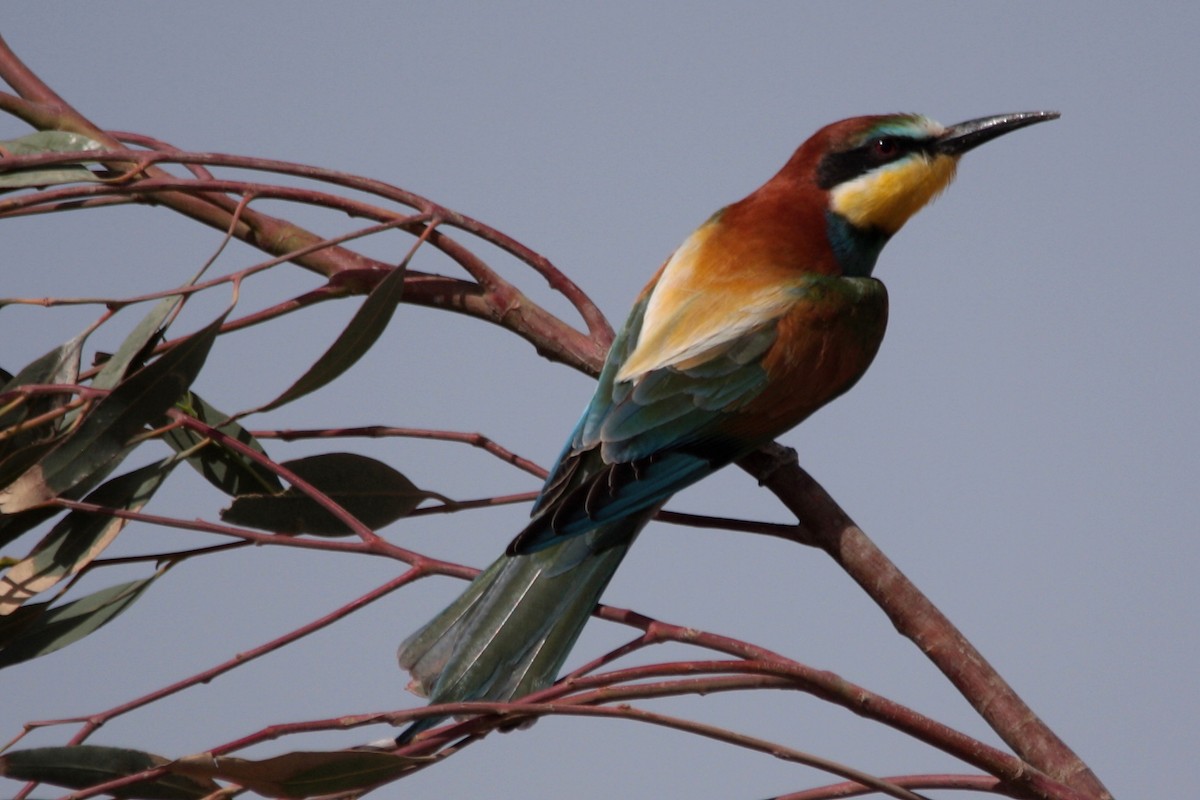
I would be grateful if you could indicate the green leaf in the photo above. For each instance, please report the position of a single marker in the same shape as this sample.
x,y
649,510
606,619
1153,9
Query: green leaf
x,y
47,142
21,451
139,343
12,526
363,331
136,344
80,536
370,490
231,472
60,366
84,766
103,438
18,462
50,142
303,774
36,630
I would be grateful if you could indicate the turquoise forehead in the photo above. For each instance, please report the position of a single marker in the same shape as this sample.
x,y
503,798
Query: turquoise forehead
x,y
909,125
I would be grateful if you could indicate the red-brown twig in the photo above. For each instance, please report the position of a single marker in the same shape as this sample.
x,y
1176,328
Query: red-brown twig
x,y
491,298
93,721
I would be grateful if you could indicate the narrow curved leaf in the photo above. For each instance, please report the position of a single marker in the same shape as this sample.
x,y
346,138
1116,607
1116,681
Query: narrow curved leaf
x,y
370,490
59,366
35,630
16,463
363,331
12,526
50,142
22,450
79,537
302,774
47,142
103,438
229,471
83,766
136,345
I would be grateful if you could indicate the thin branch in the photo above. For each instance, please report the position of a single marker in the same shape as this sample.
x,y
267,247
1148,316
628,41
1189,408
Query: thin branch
x,y
327,503
792,533
44,109
328,291
379,431
967,783
597,325
94,721
623,712
492,299
173,555
454,506
914,616
487,716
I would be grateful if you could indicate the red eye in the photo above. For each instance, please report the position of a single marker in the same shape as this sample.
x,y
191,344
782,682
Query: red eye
x,y
886,146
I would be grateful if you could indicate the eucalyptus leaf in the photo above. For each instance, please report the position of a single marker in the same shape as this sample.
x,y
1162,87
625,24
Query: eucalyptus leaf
x,y
80,536
60,366
38,630
370,490
22,450
136,344
50,142
47,142
304,773
231,472
12,526
83,766
356,339
103,438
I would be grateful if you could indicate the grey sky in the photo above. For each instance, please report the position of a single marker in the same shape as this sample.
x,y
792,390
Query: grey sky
x,y
1024,446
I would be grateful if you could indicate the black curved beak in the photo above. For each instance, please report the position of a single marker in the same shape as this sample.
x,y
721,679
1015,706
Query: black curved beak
x,y
965,136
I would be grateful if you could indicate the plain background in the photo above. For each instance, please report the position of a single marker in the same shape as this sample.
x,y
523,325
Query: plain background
x,y
1024,446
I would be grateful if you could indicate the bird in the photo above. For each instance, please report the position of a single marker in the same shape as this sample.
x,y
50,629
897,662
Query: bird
x,y
763,315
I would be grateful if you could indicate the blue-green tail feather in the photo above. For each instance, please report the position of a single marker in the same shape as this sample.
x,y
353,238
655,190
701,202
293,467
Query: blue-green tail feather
x,y
510,632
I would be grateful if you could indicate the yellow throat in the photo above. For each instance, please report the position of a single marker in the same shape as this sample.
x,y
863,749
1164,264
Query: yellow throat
x,y
885,198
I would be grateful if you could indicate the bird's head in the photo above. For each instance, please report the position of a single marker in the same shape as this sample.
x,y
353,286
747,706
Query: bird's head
x,y
873,173
879,171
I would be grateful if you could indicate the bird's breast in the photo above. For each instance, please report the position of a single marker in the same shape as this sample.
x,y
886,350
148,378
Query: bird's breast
x,y
824,344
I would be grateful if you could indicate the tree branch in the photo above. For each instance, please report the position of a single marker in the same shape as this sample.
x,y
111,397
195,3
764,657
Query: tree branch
x,y
777,468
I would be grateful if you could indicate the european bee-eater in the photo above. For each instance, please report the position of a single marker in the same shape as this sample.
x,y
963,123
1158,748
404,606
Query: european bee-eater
x,y
763,315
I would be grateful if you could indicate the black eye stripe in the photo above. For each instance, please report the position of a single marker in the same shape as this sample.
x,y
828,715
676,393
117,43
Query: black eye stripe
x,y
836,168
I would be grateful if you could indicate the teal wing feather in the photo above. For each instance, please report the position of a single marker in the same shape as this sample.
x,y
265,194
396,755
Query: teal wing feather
x,y
641,440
